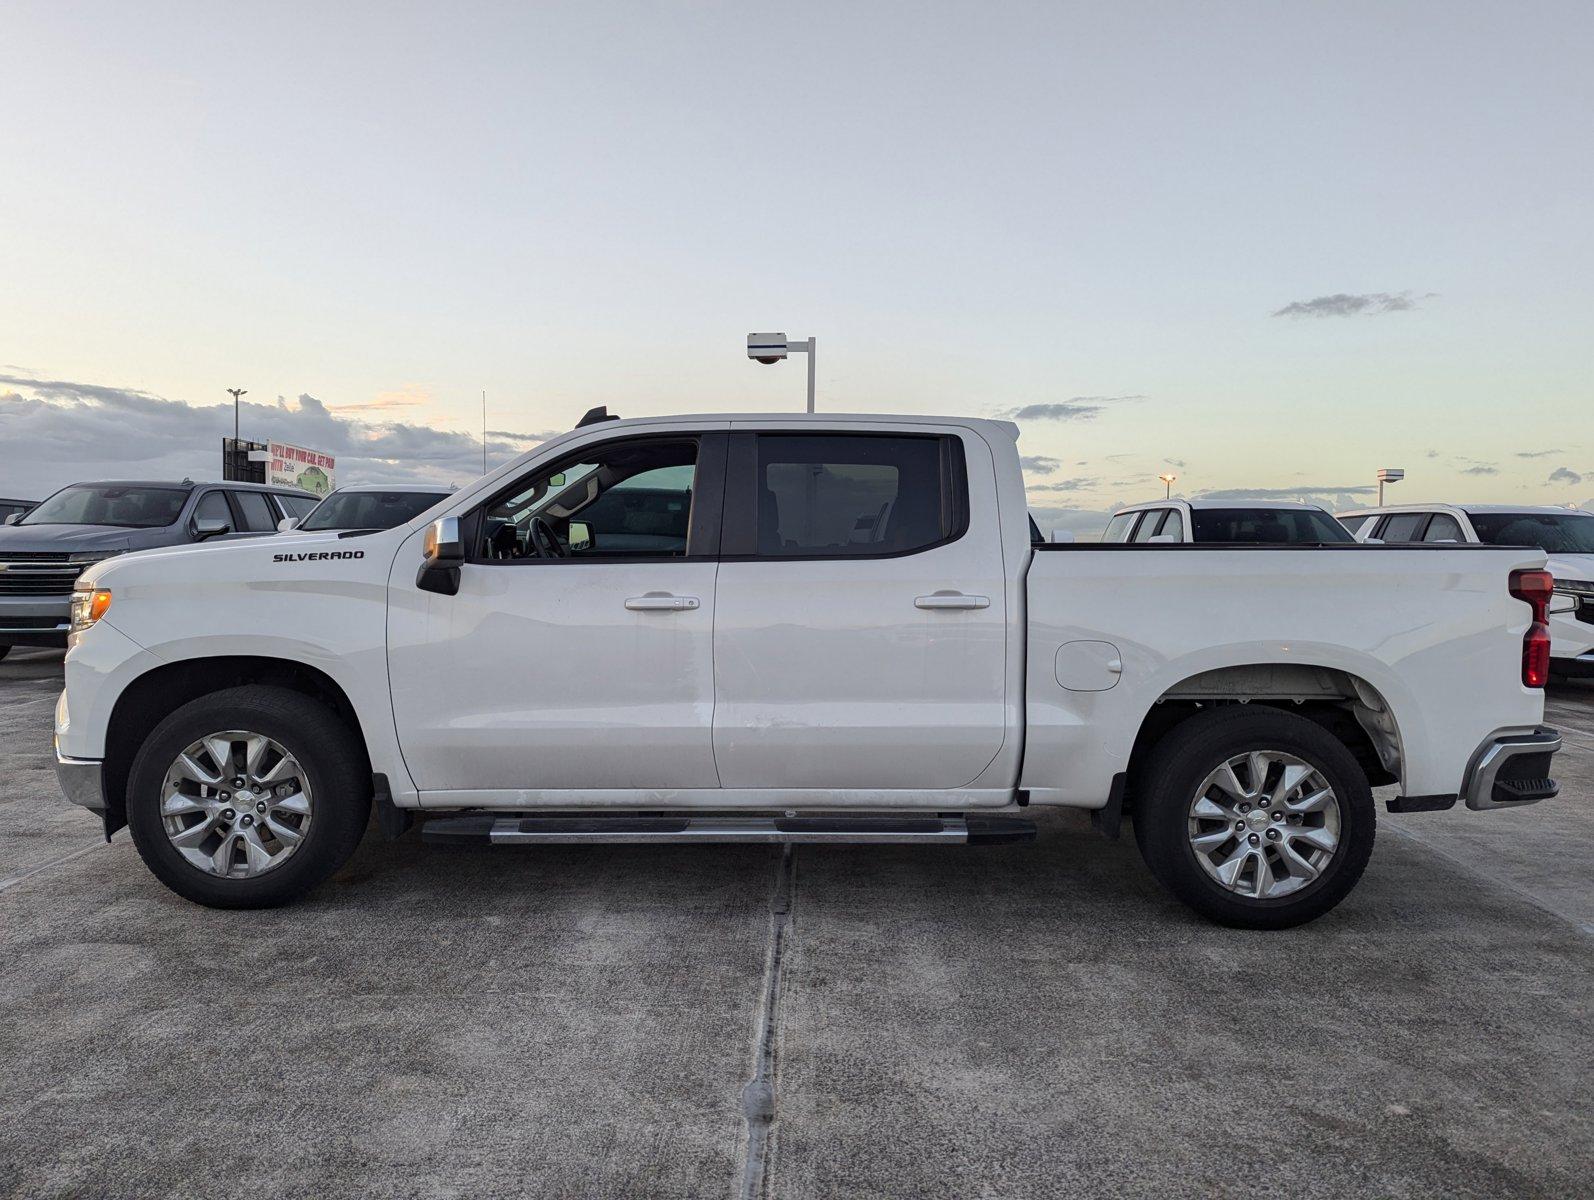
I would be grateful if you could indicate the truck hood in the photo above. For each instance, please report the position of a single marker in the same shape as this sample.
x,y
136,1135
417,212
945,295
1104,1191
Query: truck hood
x,y
1572,566
244,561
68,539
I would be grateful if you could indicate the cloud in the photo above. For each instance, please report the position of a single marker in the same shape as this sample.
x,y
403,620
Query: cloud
x,y
1564,475
1076,408
1039,464
1481,469
1064,485
1344,304
1538,453
1331,496
523,437
1176,462
57,432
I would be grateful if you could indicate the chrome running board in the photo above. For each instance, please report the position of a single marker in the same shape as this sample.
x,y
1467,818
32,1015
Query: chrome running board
x,y
517,830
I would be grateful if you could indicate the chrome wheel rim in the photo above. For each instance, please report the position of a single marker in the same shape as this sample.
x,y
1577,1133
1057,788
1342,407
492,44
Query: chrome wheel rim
x,y
1264,824
236,804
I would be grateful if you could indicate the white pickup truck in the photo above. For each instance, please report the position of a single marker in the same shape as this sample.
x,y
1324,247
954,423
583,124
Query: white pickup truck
x,y
794,629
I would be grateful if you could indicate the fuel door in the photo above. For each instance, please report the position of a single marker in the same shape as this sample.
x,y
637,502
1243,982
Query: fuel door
x,y
1089,666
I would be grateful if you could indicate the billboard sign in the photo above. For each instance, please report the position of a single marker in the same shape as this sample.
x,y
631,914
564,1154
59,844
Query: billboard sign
x,y
295,466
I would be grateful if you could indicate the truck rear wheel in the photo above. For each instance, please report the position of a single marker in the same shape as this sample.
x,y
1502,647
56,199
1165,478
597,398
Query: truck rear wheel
x,y
248,797
1254,817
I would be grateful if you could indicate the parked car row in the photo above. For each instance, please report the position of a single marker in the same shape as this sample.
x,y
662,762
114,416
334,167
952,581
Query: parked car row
x,y
44,547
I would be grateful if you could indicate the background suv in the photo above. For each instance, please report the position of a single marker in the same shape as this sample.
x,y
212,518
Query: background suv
x,y
1565,534
1263,522
43,551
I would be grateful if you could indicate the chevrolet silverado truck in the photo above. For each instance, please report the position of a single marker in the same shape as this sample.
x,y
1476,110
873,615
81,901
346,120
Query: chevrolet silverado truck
x,y
809,628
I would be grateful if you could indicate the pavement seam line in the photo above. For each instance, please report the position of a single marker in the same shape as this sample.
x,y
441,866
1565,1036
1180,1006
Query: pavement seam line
x,y
6,884
1586,928
758,1094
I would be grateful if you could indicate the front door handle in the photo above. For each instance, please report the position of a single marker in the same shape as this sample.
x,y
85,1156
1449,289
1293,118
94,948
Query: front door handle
x,y
951,600
663,602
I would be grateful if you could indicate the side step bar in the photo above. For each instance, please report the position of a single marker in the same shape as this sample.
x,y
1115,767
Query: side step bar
x,y
515,830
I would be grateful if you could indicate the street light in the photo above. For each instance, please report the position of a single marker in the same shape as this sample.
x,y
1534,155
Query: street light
x,y
772,347
235,393
1388,475
1167,481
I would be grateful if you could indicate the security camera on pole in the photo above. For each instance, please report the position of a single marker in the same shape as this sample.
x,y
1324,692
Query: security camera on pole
x,y
1388,475
772,347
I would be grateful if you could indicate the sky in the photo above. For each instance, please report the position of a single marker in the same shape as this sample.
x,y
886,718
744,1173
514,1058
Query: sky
x,y
1267,248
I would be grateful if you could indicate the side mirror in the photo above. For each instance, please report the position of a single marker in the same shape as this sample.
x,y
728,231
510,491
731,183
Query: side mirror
x,y
12,518
206,528
1062,536
444,547
287,524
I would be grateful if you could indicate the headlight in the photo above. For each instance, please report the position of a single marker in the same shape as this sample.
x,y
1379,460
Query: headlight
x,y
88,558
88,606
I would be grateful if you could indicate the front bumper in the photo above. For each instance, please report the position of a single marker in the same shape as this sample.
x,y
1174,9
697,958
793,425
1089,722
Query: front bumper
x,y
35,620
82,780
1512,769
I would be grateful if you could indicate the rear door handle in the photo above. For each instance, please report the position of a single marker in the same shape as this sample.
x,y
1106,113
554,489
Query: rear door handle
x,y
952,600
663,602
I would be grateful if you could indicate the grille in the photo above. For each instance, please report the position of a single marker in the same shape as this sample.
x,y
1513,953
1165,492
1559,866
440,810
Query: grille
x,y
33,556
37,575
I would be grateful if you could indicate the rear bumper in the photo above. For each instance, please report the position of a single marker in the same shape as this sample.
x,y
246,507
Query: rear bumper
x,y
1512,769
82,781
1580,667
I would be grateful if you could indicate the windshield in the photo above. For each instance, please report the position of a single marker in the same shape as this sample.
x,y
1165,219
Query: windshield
x,y
1554,533
369,510
107,504
1272,526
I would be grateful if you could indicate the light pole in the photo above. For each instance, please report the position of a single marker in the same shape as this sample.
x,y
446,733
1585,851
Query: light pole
x,y
1167,485
1388,475
235,393
772,347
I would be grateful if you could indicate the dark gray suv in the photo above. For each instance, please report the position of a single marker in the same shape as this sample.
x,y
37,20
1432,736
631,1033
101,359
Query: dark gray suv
x,y
43,551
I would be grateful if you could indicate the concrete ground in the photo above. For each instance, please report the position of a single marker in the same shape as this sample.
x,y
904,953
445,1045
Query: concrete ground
x,y
1029,1020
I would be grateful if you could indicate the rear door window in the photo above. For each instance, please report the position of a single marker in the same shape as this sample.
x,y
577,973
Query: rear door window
x,y
847,496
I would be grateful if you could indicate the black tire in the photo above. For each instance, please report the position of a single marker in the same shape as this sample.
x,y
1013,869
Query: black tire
x,y
330,756
1183,760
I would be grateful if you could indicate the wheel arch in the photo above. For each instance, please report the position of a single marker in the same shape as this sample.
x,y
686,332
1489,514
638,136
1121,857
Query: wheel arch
x,y
1343,702
152,696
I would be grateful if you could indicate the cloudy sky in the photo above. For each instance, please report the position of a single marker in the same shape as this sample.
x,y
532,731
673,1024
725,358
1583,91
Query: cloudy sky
x,y
1268,247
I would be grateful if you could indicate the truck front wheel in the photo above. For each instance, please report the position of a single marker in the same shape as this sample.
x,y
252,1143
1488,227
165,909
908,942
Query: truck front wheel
x,y
248,797
1254,817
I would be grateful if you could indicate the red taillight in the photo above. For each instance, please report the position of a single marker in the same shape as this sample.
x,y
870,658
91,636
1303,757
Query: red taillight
x,y
1534,589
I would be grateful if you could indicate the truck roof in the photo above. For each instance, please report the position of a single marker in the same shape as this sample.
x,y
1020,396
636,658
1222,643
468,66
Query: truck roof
x,y
1008,428
187,484
1200,503
1446,506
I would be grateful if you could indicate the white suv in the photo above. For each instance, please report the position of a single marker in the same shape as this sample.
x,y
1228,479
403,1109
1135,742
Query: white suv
x,y
1225,522
1565,534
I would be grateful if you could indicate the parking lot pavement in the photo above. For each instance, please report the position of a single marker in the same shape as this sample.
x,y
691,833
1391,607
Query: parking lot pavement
x,y
1005,1021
